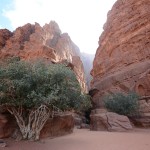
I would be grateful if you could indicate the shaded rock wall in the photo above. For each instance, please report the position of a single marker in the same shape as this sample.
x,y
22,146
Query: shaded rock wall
x,y
32,42
122,61
58,126
7,125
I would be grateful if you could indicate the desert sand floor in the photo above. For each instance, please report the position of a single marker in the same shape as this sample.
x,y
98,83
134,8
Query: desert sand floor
x,y
83,139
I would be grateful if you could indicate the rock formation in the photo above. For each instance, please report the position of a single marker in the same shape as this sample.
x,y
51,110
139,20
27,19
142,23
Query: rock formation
x,y
102,120
32,42
60,125
122,61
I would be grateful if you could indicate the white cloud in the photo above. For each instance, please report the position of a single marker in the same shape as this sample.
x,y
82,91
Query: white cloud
x,y
82,19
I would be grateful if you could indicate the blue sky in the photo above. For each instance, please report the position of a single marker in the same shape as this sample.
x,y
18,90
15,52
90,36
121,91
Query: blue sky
x,y
83,20
4,21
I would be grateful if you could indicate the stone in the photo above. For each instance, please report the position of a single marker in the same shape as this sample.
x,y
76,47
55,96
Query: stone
x,y
77,121
2,143
122,61
58,126
33,42
84,126
97,111
109,121
79,118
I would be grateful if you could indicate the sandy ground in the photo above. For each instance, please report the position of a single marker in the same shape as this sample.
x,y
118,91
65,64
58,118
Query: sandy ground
x,y
83,139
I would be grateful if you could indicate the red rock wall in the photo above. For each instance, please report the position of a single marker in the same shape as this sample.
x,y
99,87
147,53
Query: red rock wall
x,y
122,61
32,42
58,126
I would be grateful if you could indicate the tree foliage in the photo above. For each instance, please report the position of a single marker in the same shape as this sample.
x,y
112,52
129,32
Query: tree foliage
x,y
31,89
122,104
30,85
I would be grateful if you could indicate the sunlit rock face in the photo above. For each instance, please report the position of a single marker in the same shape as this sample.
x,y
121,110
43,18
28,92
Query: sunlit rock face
x,y
4,36
122,61
33,42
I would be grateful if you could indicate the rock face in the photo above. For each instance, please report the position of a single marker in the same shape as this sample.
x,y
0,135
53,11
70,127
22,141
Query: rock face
x,y
143,120
4,36
108,121
32,42
87,60
7,125
122,61
58,126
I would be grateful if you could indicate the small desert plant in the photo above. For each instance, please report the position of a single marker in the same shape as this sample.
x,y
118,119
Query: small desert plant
x,y
122,104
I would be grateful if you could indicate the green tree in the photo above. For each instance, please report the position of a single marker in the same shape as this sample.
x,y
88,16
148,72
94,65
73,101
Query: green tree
x,y
30,91
122,104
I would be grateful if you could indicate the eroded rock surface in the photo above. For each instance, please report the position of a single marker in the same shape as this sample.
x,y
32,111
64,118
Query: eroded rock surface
x,y
60,125
33,42
143,119
109,121
4,36
122,61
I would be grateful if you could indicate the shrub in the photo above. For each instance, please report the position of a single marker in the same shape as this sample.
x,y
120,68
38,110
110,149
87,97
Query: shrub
x,y
122,104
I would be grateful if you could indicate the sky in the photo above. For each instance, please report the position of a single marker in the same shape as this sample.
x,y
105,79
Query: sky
x,y
83,20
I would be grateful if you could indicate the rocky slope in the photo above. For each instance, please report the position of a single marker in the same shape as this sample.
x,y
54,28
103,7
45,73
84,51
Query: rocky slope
x,y
122,61
32,42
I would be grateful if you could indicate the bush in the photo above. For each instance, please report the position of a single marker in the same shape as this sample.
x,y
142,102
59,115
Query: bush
x,y
122,104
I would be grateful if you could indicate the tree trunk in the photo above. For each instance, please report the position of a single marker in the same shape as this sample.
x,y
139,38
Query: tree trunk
x,y
36,121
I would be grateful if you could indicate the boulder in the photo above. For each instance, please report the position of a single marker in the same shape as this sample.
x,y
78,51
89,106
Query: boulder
x,y
109,121
84,126
58,126
2,143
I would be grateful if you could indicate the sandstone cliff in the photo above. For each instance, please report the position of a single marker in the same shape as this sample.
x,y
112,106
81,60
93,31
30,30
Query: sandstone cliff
x,y
32,42
122,61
